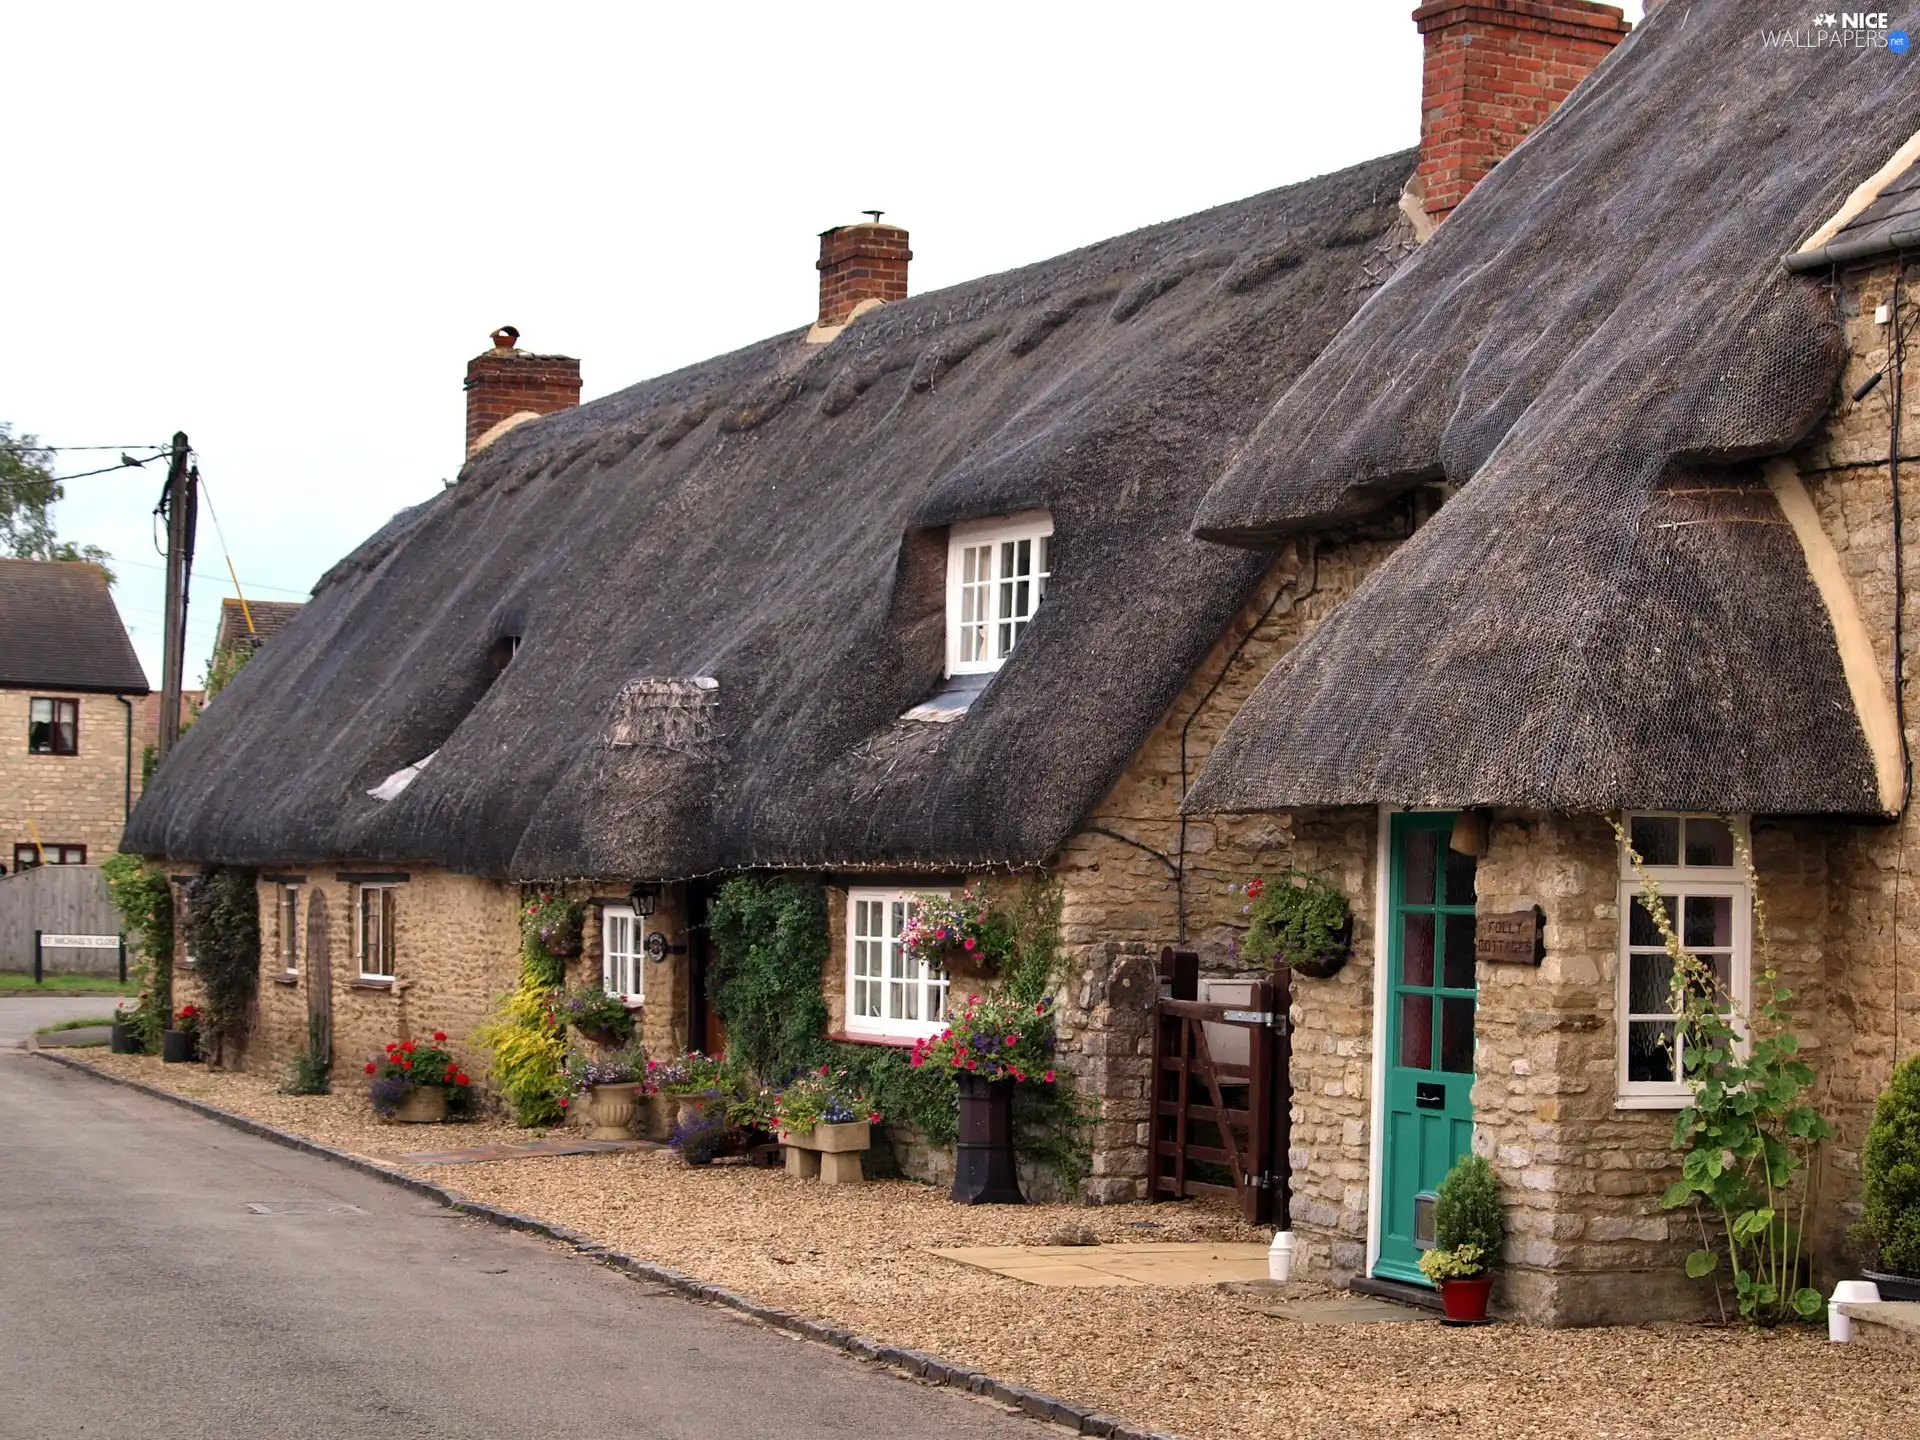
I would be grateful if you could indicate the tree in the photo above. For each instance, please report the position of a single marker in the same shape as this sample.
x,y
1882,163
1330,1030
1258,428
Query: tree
x,y
28,493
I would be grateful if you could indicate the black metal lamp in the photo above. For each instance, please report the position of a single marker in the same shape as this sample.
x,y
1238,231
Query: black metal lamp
x,y
644,899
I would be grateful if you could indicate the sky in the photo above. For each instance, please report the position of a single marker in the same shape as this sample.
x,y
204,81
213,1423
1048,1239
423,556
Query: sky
x,y
285,230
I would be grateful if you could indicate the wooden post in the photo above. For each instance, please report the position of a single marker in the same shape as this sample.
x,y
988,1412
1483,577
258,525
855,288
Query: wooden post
x,y
181,498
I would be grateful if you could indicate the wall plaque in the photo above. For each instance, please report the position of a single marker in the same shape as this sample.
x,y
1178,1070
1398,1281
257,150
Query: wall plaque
x,y
1515,938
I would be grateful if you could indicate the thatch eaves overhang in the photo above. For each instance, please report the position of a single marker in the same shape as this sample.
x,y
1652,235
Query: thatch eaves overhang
x,y
727,584
1613,609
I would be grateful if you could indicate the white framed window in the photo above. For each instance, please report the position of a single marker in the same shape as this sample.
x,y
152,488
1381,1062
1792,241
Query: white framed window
x,y
996,578
290,929
622,953
373,935
1703,886
887,994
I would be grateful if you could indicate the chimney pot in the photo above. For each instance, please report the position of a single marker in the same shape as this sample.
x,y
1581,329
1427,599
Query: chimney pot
x,y
1472,117
510,384
859,263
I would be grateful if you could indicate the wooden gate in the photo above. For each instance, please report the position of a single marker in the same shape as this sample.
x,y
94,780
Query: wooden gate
x,y
319,981
1220,1127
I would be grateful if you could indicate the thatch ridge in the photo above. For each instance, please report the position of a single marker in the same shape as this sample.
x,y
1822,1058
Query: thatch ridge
x,y
1603,326
771,519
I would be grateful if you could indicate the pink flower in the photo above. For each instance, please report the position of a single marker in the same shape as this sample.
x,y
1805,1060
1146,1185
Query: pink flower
x,y
824,1070
969,942
1048,1077
1012,1040
873,1117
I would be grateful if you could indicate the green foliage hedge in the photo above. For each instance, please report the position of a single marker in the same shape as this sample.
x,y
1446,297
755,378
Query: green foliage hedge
x,y
1890,1170
144,899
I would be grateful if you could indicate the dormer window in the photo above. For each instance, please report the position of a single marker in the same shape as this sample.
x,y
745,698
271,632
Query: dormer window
x,y
996,578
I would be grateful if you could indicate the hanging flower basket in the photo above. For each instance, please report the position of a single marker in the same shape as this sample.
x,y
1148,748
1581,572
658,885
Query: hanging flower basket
x,y
1298,920
553,923
954,935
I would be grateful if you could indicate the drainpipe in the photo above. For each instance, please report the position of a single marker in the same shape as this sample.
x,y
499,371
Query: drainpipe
x,y
126,807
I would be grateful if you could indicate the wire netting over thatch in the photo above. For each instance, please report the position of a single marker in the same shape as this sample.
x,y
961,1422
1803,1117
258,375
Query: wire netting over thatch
x,y
1610,611
772,521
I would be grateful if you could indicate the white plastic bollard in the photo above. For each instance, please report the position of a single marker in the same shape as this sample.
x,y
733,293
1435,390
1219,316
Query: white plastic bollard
x,y
1840,1327
1280,1258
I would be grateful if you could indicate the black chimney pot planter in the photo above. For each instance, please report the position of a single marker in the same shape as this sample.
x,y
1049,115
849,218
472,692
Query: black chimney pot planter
x,y
983,1163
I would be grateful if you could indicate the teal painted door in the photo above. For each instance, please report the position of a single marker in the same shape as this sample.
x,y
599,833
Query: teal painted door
x,y
1430,1003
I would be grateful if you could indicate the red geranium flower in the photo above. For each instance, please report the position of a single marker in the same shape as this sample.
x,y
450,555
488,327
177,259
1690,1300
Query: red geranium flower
x,y
392,1045
407,1046
439,1035
459,1079
406,1064
371,1067
1255,886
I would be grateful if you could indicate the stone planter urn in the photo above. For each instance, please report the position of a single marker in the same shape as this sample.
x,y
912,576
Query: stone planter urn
x,y
123,1041
423,1105
827,1153
611,1108
177,1047
983,1164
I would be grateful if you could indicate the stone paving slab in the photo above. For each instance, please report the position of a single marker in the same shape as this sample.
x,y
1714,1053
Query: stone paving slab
x,y
85,1035
477,1154
1347,1310
1098,1265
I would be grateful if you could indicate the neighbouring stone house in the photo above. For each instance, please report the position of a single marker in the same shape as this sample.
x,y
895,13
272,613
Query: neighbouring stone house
x,y
1667,590
761,614
70,687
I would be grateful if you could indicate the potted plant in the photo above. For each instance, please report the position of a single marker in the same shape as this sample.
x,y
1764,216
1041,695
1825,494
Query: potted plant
x,y
133,1025
825,1124
611,1086
181,1043
552,922
418,1084
1299,920
956,934
1467,1231
701,1137
694,1083
993,1045
1889,1227
597,1016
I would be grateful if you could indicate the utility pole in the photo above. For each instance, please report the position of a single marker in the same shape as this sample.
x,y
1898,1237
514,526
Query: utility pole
x,y
180,503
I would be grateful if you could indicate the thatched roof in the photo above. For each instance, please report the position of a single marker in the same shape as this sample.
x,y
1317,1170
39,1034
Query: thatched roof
x,y
59,630
1611,610
771,521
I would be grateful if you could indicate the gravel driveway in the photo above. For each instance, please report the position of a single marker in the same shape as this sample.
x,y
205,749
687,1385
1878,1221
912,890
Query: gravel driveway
x,y
1206,1363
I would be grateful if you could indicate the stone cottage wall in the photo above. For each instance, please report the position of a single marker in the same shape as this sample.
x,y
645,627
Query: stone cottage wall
x,y
1121,901
77,799
1872,970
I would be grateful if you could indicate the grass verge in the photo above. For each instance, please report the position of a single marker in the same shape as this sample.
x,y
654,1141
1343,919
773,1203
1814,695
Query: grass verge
x,y
14,982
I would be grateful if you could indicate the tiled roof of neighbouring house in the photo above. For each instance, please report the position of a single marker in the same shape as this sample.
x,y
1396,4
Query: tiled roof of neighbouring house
x,y
1612,610
773,521
269,617
59,630
1889,226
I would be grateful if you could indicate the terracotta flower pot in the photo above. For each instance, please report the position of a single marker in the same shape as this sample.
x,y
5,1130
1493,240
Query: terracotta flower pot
x,y
1465,1301
423,1105
611,1107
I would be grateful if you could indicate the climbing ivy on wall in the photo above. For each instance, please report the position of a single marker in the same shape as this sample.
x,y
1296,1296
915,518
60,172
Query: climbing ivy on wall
x,y
769,943
223,936
524,1036
144,899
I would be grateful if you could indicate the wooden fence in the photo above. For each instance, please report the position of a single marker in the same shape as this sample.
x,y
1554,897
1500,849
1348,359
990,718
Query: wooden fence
x,y
61,900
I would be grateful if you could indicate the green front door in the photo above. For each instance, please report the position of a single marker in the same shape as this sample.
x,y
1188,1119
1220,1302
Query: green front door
x,y
1430,998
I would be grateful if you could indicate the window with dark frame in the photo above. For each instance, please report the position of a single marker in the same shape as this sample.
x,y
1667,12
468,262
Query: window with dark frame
x,y
53,726
27,856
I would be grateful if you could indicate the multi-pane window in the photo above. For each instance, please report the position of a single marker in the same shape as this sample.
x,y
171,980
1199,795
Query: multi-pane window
x,y
373,936
996,578
1708,905
622,959
53,727
27,856
290,928
888,994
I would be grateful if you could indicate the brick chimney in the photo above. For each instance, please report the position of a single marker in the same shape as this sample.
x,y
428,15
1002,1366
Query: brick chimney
x,y
860,263
1494,70
508,383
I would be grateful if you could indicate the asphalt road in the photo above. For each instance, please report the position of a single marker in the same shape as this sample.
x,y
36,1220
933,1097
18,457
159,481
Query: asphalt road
x,y
141,1296
21,1015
